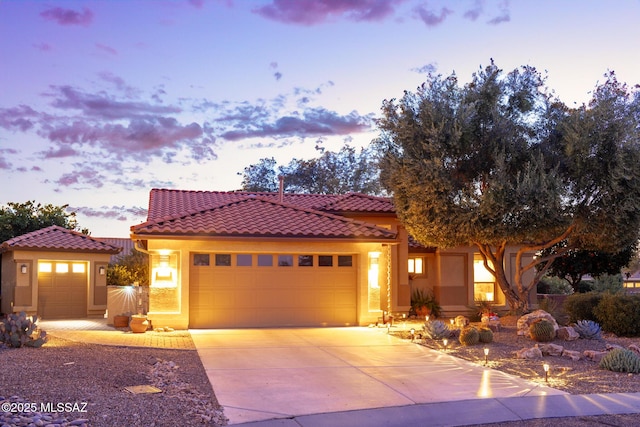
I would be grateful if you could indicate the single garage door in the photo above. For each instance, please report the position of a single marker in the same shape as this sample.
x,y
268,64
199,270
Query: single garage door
x,y
62,289
262,290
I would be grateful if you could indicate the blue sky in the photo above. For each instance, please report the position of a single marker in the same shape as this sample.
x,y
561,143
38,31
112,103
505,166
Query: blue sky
x,y
100,101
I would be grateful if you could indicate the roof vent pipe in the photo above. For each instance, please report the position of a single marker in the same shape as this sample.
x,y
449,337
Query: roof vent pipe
x,y
281,189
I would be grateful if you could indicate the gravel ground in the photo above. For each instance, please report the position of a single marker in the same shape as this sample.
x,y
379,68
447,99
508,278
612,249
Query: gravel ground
x,y
575,377
65,372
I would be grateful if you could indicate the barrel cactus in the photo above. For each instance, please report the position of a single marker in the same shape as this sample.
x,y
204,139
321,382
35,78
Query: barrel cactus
x,y
542,331
469,336
436,330
17,330
485,335
621,360
588,329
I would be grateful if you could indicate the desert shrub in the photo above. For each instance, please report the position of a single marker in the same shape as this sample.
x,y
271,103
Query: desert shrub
x,y
621,360
554,285
580,306
17,330
469,336
619,314
608,283
436,330
485,335
588,329
542,331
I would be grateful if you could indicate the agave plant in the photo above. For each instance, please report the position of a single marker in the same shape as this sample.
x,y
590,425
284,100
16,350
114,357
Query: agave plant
x,y
588,329
436,330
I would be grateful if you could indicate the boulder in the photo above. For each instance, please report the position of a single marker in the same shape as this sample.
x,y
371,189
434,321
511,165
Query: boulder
x,y
594,355
529,353
571,354
567,333
526,320
550,349
610,347
635,348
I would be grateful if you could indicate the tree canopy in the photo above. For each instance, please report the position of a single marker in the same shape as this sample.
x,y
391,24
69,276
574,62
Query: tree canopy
x,y
338,172
17,219
500,161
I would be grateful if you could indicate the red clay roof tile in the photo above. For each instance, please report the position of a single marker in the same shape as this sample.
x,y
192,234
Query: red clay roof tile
x,y
55,238
164,202
255,216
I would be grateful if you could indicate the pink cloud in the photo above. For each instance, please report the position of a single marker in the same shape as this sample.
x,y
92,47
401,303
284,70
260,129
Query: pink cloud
x,y
43,47
432,19
311,12
106,49
68,17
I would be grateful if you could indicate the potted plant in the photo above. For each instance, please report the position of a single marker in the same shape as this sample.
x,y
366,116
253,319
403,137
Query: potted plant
x,y
424,303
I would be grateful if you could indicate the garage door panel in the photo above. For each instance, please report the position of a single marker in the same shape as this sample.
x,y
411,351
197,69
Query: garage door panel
x,y
272,296
62,295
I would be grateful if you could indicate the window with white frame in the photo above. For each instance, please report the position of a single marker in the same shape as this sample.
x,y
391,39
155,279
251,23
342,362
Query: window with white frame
x,y
484,282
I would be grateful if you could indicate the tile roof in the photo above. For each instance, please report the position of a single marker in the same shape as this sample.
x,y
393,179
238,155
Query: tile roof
x,y
55,238
257,216
164,202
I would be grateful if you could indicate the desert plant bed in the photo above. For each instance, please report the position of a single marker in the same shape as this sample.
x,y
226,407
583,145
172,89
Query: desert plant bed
x,y
573,376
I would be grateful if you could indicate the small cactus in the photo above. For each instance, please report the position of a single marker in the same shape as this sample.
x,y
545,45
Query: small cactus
x,y
485,335
17,330
588,329
542,331
621,360
469,336
436,330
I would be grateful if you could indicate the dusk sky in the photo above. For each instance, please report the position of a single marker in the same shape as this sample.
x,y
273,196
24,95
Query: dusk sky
x,y
101,101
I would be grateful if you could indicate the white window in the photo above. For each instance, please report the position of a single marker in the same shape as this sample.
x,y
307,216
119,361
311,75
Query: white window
x,y
484,282
416,265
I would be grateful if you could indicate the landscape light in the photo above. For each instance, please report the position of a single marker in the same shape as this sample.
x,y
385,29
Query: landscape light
x,y
486,355
546,372
445,341
426,317
452,321
413,333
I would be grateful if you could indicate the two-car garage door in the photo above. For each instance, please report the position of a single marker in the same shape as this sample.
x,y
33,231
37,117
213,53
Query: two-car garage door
x,y
262,290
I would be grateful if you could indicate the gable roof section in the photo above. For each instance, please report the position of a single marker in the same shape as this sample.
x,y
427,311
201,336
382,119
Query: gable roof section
x,y
256,216
164,203
59,239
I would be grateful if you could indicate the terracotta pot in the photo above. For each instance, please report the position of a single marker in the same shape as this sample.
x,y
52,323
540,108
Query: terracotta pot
x,y
423,311
120,321
139,324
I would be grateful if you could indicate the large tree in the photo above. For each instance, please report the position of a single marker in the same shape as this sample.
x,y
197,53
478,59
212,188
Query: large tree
x,y
332,172
500,162
17,219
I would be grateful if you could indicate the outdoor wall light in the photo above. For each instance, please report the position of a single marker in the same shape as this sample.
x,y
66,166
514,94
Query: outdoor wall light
x,y
546,372
486,356
101,270
23,269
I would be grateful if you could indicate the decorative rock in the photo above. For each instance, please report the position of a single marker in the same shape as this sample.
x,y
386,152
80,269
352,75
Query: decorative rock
x,y
529,353
550,349
571,354
524,322
610,347
567,333
593,355
635,348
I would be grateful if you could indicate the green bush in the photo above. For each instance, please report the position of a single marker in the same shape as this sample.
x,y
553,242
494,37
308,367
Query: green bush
x,y
619,314
580,306
621,360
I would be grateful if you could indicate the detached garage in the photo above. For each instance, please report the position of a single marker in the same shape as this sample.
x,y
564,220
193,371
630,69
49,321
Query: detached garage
x,y
56,273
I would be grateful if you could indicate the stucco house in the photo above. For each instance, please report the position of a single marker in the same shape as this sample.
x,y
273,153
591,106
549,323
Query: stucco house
x,y
243,259
56,273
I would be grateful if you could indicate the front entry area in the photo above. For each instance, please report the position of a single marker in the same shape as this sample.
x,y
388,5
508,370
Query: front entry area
x,y
265,290
62,289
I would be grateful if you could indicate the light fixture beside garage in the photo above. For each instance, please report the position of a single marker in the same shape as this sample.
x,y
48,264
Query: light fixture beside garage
x,y
102,270
23,269
165,270
374,270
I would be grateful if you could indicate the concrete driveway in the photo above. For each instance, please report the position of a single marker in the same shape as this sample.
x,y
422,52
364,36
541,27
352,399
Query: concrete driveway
x,y
261,374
